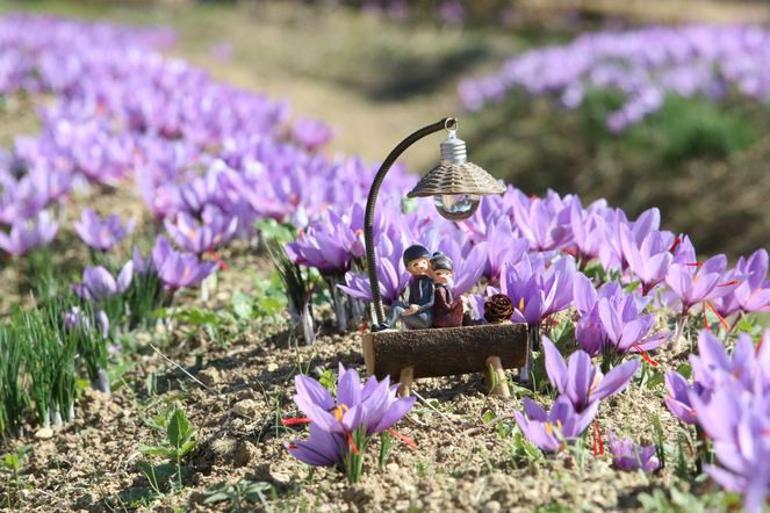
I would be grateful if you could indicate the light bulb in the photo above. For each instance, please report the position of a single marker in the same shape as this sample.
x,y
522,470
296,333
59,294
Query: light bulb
x,y
456,207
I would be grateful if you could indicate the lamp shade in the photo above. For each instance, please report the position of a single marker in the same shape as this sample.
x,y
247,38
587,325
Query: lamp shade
x,y
455,175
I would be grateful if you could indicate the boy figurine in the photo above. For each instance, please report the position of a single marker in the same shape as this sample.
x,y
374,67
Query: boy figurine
x,y
418,312
447,311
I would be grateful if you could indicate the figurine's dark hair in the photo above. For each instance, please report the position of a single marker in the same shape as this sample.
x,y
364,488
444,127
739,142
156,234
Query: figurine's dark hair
x,y
414,252
439,261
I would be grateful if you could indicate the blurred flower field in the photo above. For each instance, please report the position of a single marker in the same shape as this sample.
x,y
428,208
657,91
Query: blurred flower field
x,y
184,287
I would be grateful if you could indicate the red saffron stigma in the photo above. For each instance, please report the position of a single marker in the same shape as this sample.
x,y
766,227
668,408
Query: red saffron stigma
x,y
646,357
296,421
405,439
352,445
694,264
677,242
722,320
728,283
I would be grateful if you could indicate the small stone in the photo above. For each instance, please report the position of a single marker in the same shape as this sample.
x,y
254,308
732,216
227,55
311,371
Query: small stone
x,y
272,367
245,452
222,447
44,433
491,507
391,468
210,376
263,472
247,408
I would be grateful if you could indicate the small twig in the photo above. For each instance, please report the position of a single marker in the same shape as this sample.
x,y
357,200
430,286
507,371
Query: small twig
x,y
421,398
169,360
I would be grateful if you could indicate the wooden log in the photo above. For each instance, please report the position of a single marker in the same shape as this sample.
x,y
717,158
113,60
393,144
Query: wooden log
x,y
444,351
498,385
405,381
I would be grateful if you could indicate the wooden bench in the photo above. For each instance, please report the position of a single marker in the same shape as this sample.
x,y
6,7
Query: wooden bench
x,y
411,354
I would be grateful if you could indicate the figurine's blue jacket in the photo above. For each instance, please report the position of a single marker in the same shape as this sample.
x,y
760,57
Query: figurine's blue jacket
x,y
421,292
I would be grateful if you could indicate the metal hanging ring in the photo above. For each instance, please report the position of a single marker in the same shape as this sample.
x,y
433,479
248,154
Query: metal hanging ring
x,y
451,124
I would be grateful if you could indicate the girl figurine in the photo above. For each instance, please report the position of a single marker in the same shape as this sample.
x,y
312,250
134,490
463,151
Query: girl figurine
x,y
447,311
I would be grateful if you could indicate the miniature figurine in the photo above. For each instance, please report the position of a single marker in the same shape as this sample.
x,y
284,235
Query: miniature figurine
x,y
418,312
447,311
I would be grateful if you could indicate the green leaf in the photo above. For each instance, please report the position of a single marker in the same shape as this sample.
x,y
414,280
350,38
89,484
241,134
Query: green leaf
x,y
241,305
488,416
179,429
188,446
216,497
157,451
685,370
271,305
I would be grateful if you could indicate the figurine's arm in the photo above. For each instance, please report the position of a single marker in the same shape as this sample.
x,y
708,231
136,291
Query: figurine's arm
x,y
429,292
441,297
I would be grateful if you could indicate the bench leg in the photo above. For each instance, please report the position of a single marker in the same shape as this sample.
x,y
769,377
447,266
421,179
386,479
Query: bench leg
x,y
498,385
405,381
525,371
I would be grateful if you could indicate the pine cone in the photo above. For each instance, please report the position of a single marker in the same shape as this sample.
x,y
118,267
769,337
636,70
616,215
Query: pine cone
x,y
498,308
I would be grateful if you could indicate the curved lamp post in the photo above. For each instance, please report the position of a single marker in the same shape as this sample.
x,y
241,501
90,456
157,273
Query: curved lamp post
x,y
455,184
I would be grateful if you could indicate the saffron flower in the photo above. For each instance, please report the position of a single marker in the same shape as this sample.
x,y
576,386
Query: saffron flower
x,y
503,247
341,426
102,234
694,282
176,269
99,284
678,397
311,133
27,234
612,319
753,294
628,456
550,431
544,222
328,244
580,381
214,230
649,259
538,291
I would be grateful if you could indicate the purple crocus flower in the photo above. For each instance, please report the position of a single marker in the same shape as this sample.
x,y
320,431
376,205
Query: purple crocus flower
x,y
737,424
391,273
27,234
580,381
503,247
329,243
99,284
551,430
214,230
102,234
650,259
588,228
322,449
74,318
538,291
178,270
311,133
544,222
753,294
694,282
611,252
678,397
372,404
628,456
612,319
372,407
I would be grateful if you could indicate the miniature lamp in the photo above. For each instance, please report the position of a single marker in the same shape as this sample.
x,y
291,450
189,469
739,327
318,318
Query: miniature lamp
x,y
455,184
